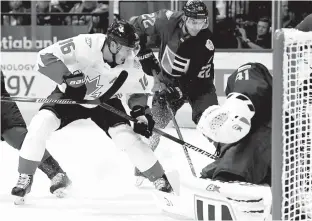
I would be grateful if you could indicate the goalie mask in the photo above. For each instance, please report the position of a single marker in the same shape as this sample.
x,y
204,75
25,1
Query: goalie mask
x,y
230,122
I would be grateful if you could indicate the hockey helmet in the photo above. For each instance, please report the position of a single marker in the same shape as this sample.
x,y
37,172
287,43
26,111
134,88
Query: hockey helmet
x,y
195,9
123,33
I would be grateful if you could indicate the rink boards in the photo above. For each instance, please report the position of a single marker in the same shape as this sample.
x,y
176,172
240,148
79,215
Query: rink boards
x,y
22,80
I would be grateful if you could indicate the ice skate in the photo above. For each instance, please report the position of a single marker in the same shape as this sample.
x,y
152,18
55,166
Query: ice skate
x,y
139,177
59,184
162,184
22,188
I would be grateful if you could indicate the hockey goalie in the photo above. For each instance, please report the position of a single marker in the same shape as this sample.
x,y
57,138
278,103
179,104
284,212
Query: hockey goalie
x,y
237,185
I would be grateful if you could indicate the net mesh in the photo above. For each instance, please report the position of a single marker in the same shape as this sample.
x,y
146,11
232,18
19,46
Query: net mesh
x,y
297,120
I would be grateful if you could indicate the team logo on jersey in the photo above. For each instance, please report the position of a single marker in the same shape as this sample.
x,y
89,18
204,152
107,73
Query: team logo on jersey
x,y
88,41
171,61
209,45
93,86
168,14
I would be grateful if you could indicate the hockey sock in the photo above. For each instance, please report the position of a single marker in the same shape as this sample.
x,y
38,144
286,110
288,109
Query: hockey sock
x,y
138,152
15,136
155,172
27,166
50,167
33,148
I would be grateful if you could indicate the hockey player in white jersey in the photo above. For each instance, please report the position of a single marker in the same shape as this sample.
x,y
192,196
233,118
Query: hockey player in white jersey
x,y
84,68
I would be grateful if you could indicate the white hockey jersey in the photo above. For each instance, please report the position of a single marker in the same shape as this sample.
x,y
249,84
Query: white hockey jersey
x,y
83,53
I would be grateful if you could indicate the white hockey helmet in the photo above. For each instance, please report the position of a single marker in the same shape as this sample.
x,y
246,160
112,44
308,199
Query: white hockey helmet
x,y
230,122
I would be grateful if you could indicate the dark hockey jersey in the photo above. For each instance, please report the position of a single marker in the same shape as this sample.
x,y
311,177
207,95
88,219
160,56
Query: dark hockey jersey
x,y
255,81
185,61
306,24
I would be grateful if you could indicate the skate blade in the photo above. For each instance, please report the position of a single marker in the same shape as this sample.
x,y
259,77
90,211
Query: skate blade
x,y
19,200
139,181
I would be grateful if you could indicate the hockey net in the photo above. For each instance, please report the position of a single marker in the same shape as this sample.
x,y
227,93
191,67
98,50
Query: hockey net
x,y
292,125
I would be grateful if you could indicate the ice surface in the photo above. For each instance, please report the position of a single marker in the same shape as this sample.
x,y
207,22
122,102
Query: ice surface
x,y
103,181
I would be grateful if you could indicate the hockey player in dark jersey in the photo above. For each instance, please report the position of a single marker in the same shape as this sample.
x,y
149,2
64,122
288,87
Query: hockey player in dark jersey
x,y
242,127
186,59
13,131
245,119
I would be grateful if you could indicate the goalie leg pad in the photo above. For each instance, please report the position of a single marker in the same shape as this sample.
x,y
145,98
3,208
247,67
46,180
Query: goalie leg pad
x,y
138,151
228,200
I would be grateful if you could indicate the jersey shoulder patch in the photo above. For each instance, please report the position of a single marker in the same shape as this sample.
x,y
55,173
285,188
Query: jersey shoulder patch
x,y
209,45
168,14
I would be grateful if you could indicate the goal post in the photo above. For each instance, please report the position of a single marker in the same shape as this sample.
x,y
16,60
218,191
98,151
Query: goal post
x,y
291,125
277,140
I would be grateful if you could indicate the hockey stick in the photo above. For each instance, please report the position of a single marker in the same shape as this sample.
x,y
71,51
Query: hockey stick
x,y
112,109
109,108
160,132
118,82
175,123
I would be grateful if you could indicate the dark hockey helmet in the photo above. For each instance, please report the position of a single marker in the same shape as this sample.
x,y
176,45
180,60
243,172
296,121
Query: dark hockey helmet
x,y
195,9
123,33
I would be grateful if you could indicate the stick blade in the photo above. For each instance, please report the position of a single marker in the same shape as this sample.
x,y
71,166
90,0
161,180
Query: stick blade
x,y
120,80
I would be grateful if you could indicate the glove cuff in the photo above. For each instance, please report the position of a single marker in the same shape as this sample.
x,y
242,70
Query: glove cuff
x,y
138,110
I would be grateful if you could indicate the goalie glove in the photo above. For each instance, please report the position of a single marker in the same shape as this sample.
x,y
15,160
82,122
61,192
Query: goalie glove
x,y
145,124
230,122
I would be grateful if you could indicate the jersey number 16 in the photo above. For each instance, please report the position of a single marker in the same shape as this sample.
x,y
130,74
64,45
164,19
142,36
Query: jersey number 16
x,y
67,46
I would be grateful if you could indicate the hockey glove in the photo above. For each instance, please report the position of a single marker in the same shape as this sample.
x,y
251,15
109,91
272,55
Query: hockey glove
x,y
145,123
171,94
148,62
76,88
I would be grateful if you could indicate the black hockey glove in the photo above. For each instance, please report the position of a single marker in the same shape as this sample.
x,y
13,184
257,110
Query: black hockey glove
x,y
76,88
145,123
171,94
148,62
